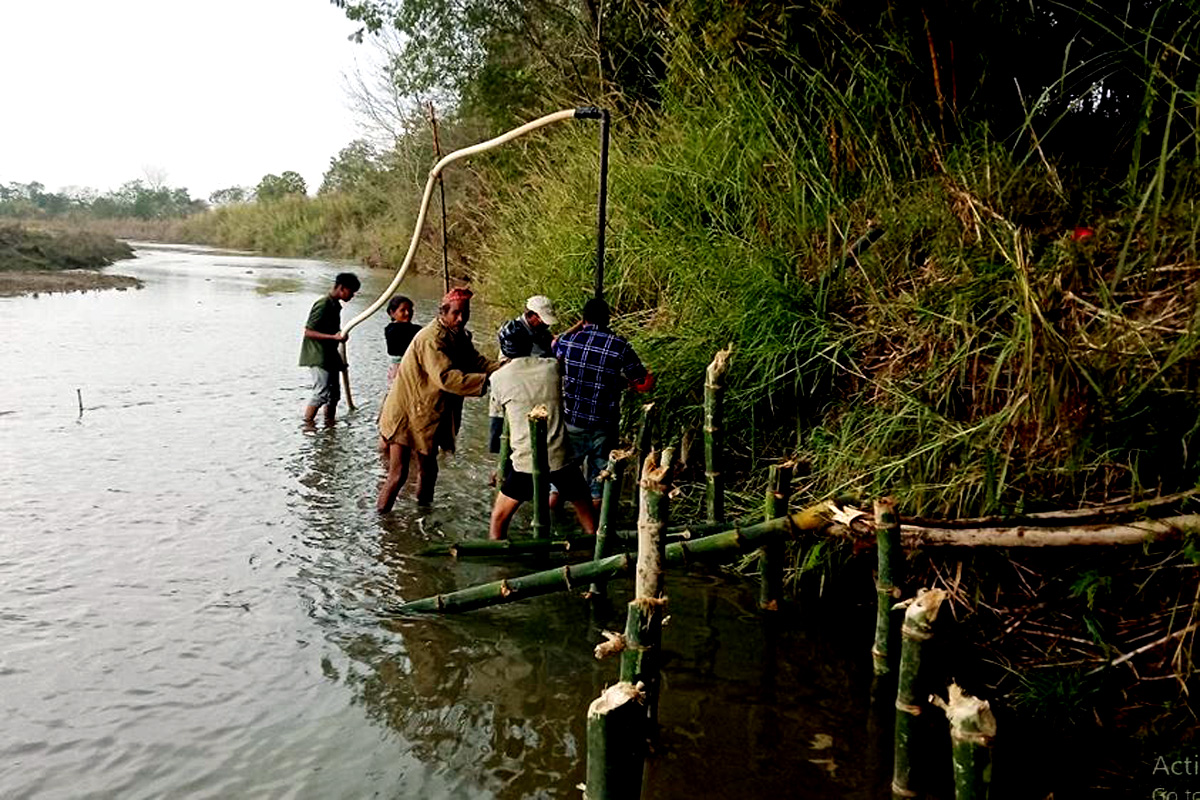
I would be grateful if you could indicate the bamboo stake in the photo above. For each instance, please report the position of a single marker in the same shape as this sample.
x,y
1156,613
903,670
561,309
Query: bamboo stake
x,y
890,555
919,616
722,546
972,729
437,155
541,472
504,459
779,489
640,661
615,723
609,502
645,443
714,392
346,375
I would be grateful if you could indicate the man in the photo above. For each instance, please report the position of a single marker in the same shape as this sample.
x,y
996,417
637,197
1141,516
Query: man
x,y
526,335
522,385
529,333
319,350
597,367
423,408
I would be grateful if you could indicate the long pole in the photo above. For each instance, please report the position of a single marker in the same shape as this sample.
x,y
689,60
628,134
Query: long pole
x,y
541,472
602,202
437,154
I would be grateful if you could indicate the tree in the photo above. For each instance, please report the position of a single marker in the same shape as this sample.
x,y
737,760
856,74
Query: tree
x,y
224,197
273,187
350,168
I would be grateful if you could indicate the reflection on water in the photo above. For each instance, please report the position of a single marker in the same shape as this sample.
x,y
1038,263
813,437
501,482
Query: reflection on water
x,y
194,584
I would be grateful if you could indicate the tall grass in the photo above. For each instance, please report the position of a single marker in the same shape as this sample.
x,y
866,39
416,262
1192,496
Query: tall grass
x,y
975,359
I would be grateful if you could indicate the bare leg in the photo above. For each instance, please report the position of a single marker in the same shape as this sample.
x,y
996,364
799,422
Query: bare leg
x,y
310,415
427,472
502,513
397,476
586,514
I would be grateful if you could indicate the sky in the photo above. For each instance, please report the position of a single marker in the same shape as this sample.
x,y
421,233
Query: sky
x,y
211,93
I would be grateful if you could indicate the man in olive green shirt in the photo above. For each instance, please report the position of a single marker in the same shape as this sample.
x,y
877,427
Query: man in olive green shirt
x,y
319,350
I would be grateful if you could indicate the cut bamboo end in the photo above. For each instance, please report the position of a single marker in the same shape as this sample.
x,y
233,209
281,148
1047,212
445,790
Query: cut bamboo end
x,y
971,719
539,412
720,364
921,612
614,697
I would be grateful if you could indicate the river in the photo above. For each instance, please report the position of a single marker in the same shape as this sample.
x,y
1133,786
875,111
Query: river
x,y
193,584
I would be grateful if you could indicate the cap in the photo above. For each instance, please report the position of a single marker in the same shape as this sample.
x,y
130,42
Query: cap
x,y
541,305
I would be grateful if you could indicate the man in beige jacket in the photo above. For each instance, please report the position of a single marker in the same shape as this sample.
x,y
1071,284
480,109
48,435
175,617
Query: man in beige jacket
x,y
423,408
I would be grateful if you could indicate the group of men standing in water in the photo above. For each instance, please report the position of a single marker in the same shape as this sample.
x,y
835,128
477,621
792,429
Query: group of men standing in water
x,y
578,376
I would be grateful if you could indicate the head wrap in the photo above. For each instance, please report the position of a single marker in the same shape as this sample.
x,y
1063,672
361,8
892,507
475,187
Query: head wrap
x,y
455,294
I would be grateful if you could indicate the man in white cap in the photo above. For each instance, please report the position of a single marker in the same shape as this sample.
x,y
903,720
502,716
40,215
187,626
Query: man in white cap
x,y
529,334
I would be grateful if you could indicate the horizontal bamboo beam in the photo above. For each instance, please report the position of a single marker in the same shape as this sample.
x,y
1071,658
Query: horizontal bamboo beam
x,y
1134,533
723,545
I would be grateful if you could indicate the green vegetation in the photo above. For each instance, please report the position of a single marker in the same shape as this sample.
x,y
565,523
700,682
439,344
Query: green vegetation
x,y
22,249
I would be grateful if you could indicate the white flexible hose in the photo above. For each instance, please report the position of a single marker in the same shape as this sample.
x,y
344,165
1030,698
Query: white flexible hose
x,y
433,173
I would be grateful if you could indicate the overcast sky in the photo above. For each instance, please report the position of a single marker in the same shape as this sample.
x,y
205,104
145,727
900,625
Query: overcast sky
x,y
214,93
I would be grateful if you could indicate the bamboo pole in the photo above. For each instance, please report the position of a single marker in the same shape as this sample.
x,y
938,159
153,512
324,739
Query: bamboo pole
x,y
346,375
641,659
615,724
888,579
911,694
972,729
511,548
609,502
541,472
645,443
722,546
779,489
714,392
504,458
437,154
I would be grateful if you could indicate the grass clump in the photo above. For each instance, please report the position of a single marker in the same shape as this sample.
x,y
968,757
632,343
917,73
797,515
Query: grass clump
x,y
23,249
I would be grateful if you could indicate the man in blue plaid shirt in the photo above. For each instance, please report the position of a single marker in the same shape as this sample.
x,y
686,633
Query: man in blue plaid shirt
x,y
597,367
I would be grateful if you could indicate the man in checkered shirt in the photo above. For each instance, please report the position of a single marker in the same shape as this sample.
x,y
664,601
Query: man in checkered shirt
x,y
597,365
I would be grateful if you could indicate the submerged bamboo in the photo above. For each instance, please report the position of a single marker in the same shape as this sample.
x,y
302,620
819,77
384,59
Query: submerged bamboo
x,y
779,489
714,443
610,500
888,578
504,548
911,692
719,546
541,472
972,729
615,752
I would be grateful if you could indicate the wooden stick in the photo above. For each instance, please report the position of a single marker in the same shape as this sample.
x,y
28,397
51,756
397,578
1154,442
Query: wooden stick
x,y
437,154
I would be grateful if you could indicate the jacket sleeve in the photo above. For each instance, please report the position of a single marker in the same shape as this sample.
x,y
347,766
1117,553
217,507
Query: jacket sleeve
x,y
445,376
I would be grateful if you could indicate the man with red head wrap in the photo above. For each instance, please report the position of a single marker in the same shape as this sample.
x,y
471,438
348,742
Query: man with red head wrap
x,y
423,409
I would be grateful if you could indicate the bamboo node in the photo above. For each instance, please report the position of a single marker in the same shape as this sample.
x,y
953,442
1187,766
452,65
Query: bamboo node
x,y
613,643
566,571
917,634
908,708
505,591
896,790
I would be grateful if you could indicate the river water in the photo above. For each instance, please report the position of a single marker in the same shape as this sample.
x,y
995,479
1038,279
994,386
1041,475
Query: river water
x,y
193,584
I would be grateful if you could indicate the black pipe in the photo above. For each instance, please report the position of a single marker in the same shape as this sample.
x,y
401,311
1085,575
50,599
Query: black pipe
x,y
591,112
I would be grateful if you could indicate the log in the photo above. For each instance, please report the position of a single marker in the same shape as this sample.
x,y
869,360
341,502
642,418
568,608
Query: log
x,y
722,546
541,472
615,751
714,393
972,729
890,555
779,489
911,694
